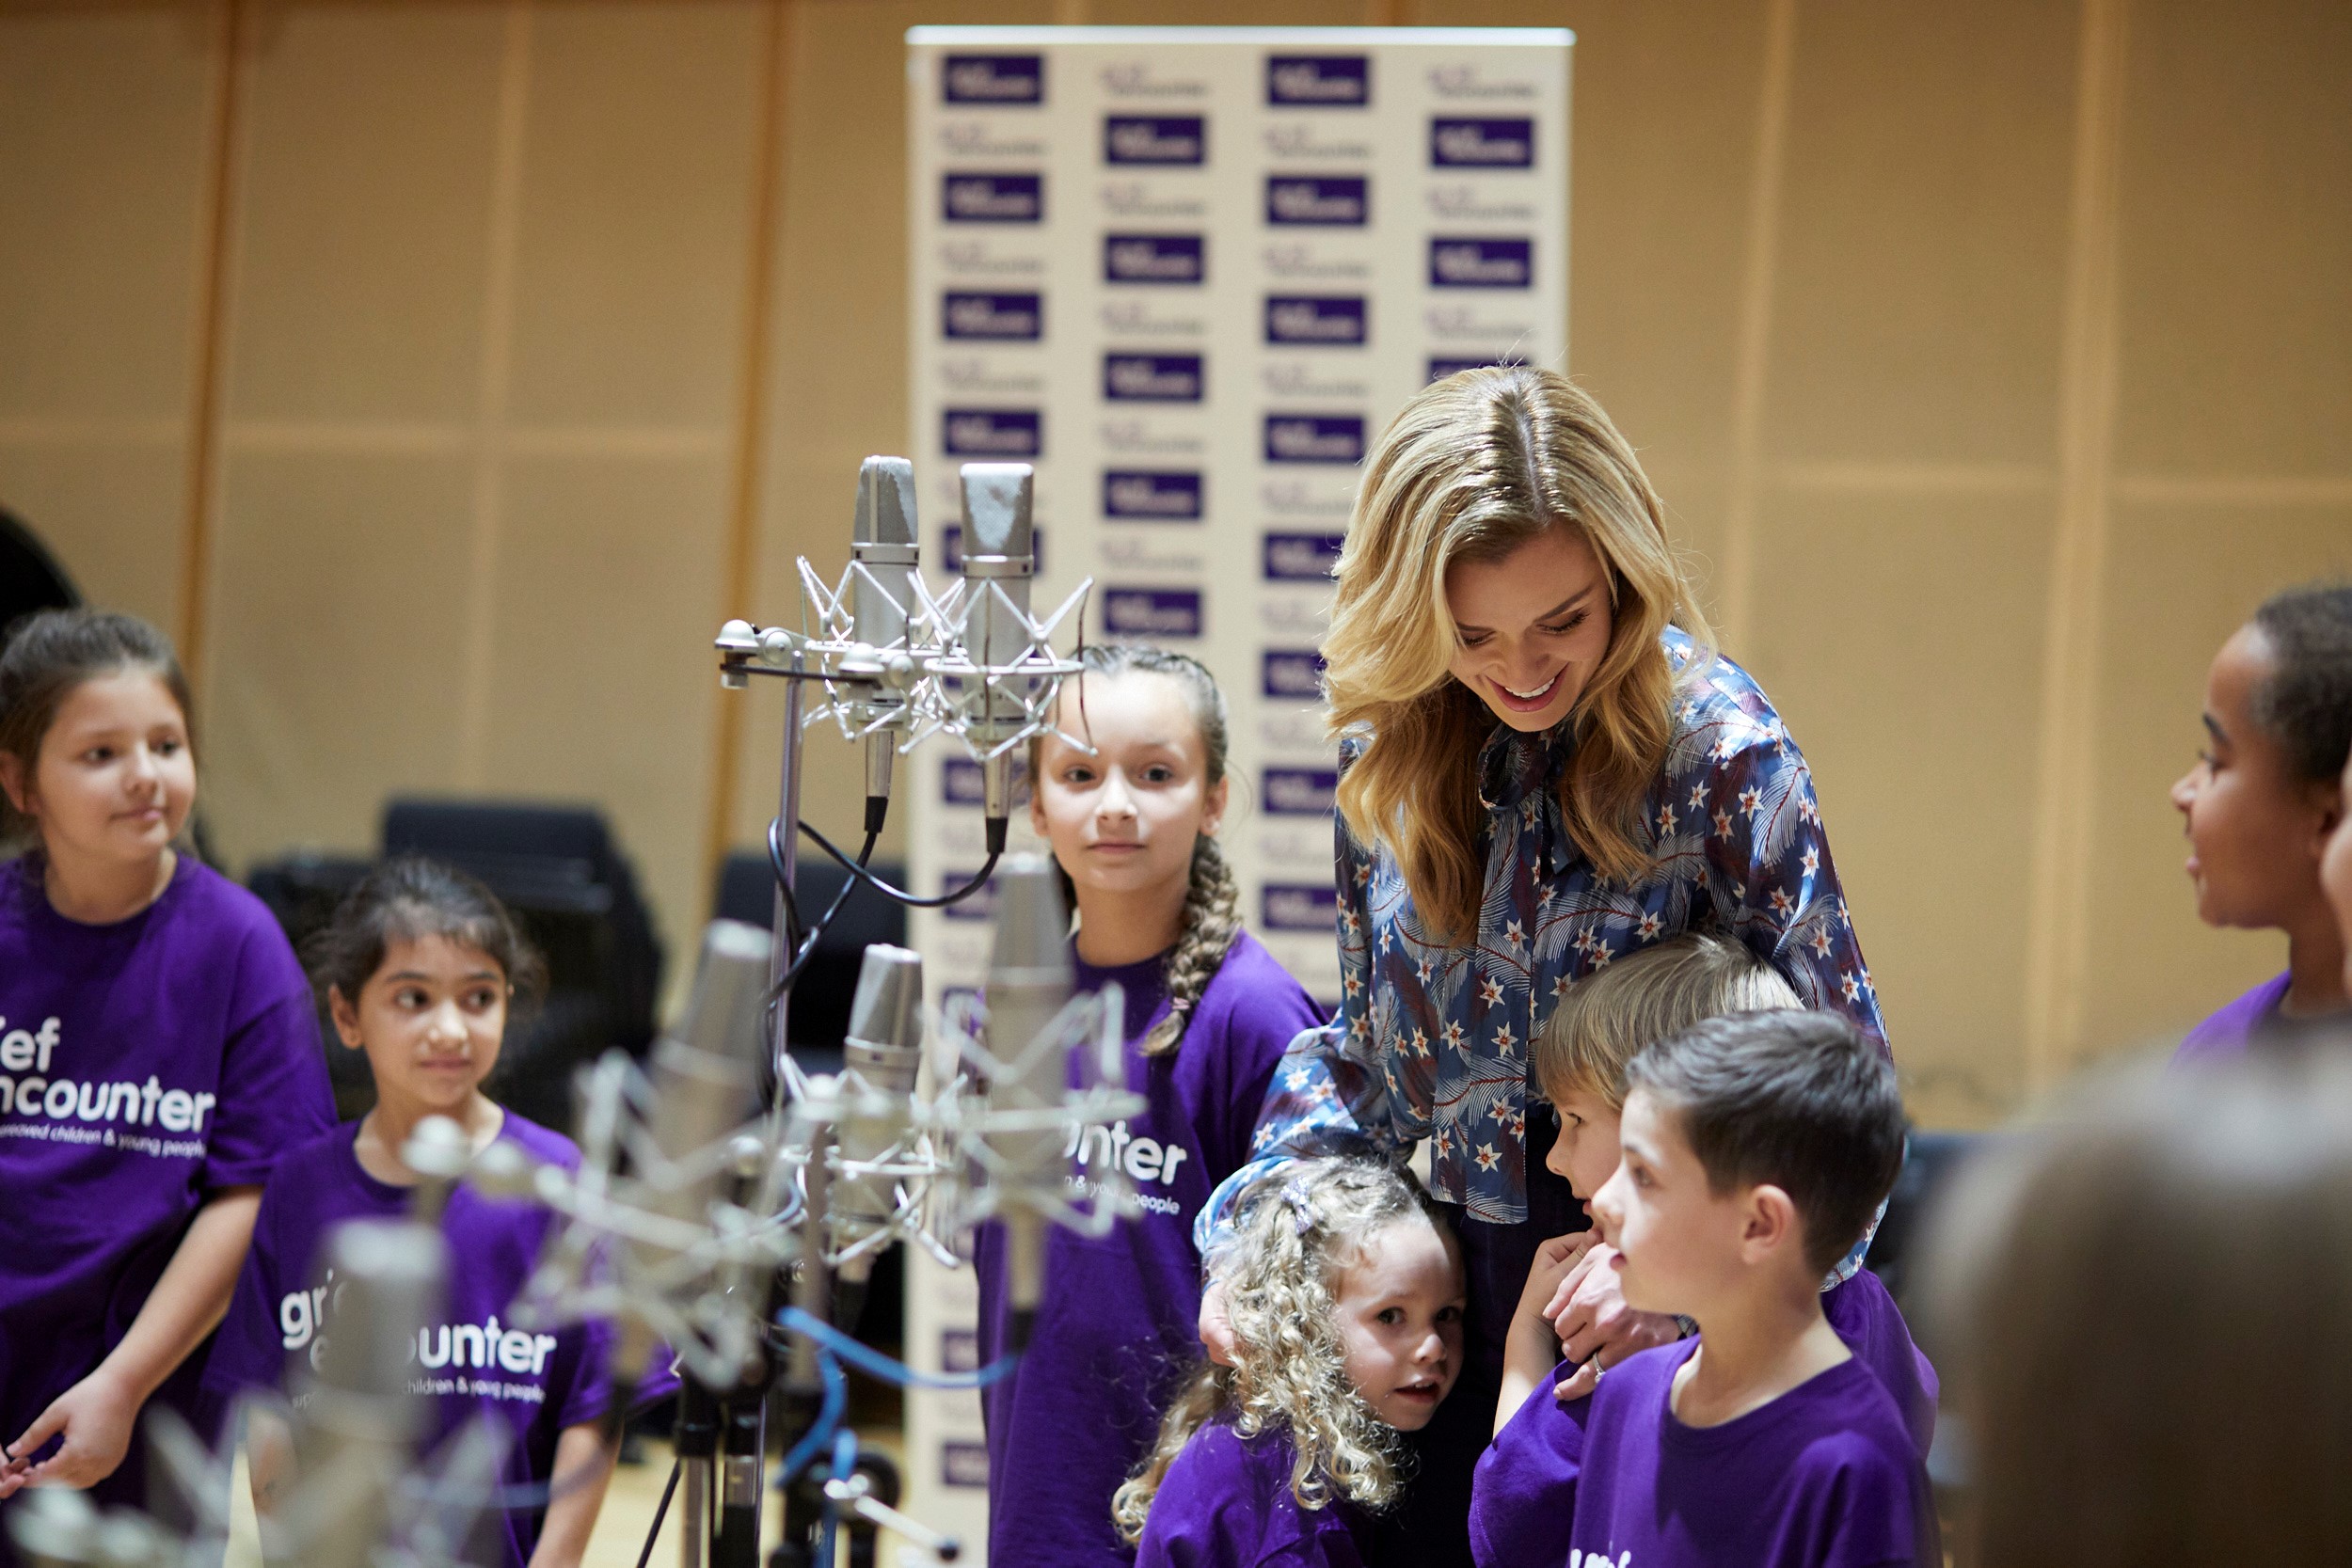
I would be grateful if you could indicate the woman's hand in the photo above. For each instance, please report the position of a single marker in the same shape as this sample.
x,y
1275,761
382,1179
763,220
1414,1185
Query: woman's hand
x,y
97,1416
1595,1327
1216,1329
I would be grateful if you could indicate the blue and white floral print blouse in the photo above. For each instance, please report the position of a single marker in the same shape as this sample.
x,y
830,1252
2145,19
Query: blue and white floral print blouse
x,y
1431,1040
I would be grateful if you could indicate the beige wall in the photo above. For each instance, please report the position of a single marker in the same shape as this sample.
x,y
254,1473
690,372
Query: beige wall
x,y
443,374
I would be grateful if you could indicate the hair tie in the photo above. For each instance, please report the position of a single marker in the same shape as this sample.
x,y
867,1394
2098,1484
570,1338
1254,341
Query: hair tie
x,y
1302,1206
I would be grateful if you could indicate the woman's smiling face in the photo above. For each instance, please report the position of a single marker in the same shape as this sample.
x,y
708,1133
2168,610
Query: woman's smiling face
x,y
1530,627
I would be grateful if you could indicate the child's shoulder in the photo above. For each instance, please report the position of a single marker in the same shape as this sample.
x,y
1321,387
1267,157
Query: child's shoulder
x,y
1252,991
1226,1501
543,1144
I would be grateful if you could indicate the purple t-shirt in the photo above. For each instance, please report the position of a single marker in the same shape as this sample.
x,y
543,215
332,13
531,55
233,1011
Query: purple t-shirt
x,y
1118,1326
144,1066
1227,1502
1526,1480
1822,1477
532,1385
2225,1035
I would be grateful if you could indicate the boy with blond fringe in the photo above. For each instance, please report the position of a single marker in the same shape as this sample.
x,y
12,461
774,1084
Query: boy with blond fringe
x,y
1526,1481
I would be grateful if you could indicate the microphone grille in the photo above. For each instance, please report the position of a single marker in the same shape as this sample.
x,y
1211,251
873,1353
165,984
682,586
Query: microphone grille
x,y
1032,927
888,1007
724,1014
885,502
387,1284
996,501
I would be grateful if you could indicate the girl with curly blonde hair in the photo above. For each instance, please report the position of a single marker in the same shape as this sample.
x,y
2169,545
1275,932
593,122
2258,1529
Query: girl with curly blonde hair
x,y
1344,1293
1545,764
1132,816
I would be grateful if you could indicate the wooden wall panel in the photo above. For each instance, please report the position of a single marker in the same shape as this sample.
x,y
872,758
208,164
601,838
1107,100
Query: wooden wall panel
x,y
102,115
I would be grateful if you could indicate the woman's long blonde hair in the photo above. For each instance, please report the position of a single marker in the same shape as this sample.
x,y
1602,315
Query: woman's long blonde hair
x,y
1294,1232
1474,466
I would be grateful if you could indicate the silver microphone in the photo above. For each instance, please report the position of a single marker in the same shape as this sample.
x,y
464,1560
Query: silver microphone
x,y
999,550
880,1057
1029,982
705,1080
884,593
360,1424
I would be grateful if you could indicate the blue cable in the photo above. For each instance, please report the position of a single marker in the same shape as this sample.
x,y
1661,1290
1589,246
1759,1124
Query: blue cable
x,y
875,1364
844,1466
828,1419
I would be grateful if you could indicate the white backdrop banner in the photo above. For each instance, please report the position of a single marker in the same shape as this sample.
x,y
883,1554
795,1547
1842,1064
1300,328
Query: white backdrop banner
x,y
1189,274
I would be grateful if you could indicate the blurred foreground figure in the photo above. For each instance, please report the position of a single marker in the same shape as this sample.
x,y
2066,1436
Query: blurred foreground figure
x,y
2146,1304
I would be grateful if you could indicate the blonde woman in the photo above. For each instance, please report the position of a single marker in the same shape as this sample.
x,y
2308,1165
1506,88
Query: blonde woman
x,y
1544,765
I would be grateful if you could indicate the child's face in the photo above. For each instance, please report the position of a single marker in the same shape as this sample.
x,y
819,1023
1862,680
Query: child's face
x,y
1585,1153
1679,1245
115,777
1125,818
1400,1309
430,1018
2254,829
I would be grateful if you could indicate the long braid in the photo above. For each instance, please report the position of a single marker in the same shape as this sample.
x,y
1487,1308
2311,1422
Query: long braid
x,y
1211,919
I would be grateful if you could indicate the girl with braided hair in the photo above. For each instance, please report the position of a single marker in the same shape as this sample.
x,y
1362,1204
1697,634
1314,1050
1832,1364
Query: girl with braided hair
x,y
1132,817
1344,1293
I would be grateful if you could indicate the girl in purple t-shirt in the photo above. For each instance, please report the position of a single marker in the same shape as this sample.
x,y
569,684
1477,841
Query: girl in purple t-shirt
x,y
1209,1014
1345,1294
2261,802
157,1051
418,967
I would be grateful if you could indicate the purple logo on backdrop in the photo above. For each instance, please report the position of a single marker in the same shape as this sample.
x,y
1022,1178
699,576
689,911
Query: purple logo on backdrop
x,y
1155,139
1298,791
1470,263
993,432
1002,318
951,552
1481,143
1151,612
1302,557
1154,258
1314,438
1336,320
1292,673
1151,495
1318,201
980,906
958,1350
993,198
1319,81
1154,377
993,79
961,784
963,1463
1440,368
1295,906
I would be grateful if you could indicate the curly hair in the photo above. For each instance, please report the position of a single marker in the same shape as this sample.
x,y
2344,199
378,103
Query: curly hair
x,y
2307,701
1212,914
1294,1232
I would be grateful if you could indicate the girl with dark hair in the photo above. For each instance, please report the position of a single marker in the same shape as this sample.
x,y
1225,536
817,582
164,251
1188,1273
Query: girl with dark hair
x,y
1132,824
2263,801
157,1051
420,968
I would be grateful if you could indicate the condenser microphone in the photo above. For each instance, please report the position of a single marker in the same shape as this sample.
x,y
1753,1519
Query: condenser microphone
x,y
1029,982
886,554
706,1079
999,551
881,1057
361,1423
